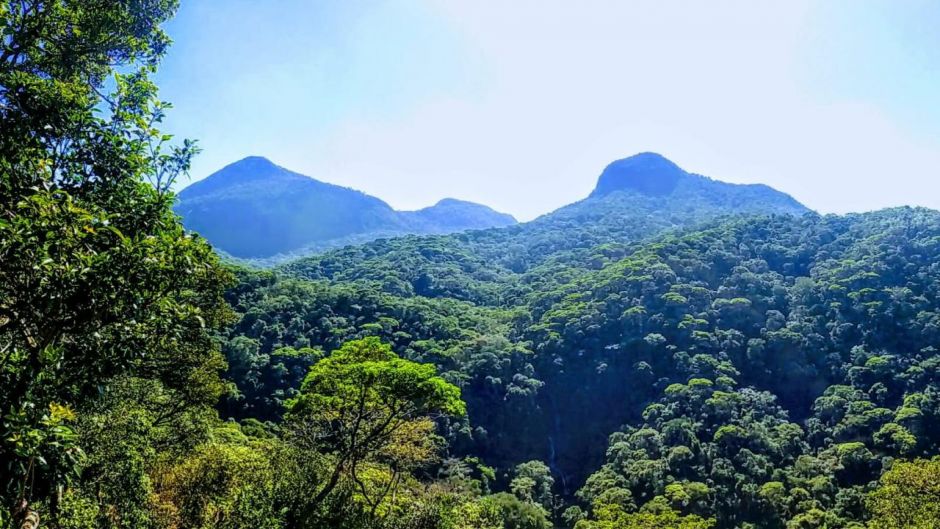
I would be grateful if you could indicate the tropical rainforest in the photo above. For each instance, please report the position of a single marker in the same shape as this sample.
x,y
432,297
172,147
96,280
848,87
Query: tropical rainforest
x,y
671,352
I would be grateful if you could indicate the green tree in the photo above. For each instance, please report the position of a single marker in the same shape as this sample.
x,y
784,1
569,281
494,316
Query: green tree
x,y
222,485
518,514
907,497
662,517
99,279
533,482
365,403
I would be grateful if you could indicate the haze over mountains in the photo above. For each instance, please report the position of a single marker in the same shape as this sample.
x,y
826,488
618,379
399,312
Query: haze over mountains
x,y
256,209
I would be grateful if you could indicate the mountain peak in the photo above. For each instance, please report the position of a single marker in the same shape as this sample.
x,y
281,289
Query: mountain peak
x,y
453,202
454,213
256,166
256,208
250,171
253,161
648,173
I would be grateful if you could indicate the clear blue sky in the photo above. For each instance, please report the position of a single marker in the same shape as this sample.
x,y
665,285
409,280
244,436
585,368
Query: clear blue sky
x,y
519,105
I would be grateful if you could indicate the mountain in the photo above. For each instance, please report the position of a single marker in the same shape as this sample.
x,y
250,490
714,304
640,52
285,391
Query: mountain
x,y
451,215
636,199
756,370
648,173
254,208
669,344
651,175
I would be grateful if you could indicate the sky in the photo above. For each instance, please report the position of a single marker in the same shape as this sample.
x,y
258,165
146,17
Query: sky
x,y
520,105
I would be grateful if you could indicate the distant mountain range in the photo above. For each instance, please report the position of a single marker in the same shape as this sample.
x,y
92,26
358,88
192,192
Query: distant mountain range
x,y
256,209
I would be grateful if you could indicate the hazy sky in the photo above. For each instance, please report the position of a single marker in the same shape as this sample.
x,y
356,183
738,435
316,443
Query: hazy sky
x,y
520,104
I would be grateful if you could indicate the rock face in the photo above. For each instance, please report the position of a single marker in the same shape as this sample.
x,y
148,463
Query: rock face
x,y
654,177
255,209
648,173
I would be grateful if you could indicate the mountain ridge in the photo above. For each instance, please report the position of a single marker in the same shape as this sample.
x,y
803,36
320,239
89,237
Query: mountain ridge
x,y
653,174
254,208
582,234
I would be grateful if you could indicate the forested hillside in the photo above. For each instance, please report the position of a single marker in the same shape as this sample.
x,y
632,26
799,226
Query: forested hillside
x,y
499,267
672,352
760,370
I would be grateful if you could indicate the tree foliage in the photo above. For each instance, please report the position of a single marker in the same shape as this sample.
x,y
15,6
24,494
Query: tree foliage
x,y
363,403
756,370
908,496
98,279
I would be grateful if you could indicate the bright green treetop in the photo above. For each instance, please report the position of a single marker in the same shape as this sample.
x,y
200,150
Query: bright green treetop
x,y
359,400
908,496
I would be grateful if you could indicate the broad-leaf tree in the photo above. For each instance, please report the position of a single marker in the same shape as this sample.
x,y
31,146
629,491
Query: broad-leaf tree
x,y
908,496
365,403
98,277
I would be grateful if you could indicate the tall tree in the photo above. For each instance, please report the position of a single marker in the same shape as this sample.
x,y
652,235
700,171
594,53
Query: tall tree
x,y
98,278
364,403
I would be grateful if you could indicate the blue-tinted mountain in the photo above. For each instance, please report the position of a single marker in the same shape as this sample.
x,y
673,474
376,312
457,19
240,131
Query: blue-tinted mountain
x,y
255,209
651,175
451,215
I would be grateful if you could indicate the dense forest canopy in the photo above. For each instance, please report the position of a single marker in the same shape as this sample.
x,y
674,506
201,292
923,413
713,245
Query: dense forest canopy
x,y
671,352
793,355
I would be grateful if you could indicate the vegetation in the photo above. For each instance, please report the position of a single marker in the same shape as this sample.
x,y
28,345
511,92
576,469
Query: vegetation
x,y
363,403
909,496
100,282
109,372
653,357
757,371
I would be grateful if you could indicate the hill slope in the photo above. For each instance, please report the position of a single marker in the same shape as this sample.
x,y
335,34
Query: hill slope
x,y
670,342
254,208
497,265
757,358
